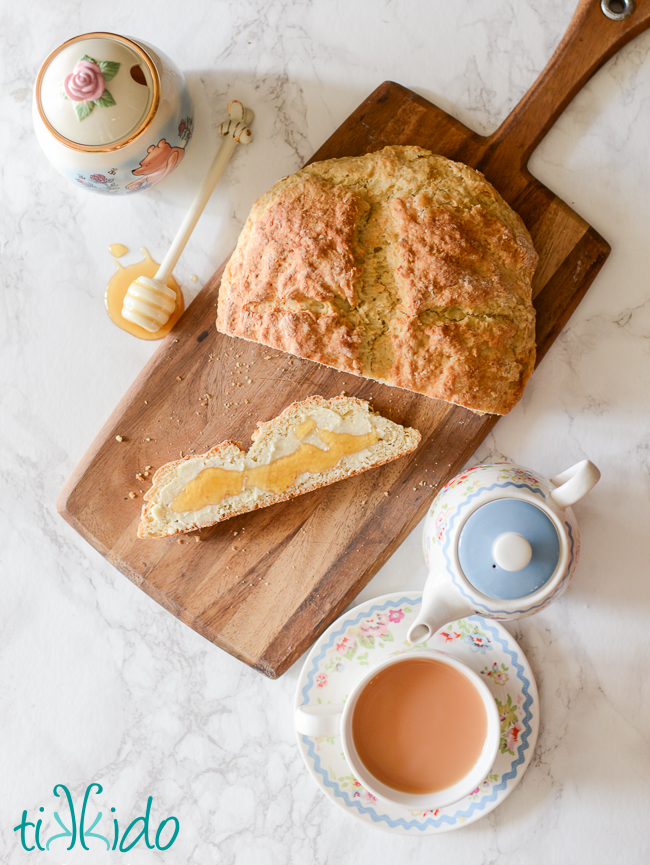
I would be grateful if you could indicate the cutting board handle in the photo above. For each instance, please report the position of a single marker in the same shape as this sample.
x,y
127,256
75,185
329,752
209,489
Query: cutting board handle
x,y
592,38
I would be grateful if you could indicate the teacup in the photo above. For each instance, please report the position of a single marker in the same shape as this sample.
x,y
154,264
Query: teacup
x,y
419,729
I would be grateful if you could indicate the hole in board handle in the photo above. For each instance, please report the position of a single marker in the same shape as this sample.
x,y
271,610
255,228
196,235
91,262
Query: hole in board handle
x,y
617,10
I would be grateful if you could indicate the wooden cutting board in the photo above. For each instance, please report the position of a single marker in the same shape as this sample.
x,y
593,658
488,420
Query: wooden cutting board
x,y
265,585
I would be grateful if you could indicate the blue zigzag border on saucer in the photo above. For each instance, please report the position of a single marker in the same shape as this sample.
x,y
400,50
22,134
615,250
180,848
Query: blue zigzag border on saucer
x,y
450,570
430,822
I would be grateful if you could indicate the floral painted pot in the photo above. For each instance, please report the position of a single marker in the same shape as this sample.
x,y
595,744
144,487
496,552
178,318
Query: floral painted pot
x,y
112,114
500,541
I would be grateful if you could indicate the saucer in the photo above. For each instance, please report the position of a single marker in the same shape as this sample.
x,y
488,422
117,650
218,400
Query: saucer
x,y
376,629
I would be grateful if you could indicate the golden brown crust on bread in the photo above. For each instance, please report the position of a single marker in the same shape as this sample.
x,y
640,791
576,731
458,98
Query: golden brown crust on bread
x,y
394,441
399,265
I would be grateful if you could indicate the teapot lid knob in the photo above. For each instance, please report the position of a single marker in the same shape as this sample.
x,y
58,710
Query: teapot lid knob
x,y
511,551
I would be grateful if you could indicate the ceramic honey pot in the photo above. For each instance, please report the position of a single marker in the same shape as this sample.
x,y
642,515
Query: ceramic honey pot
x,y
112,113
500,541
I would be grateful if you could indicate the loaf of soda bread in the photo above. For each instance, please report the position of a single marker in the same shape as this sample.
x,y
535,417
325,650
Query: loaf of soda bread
x,y
398,265
312,443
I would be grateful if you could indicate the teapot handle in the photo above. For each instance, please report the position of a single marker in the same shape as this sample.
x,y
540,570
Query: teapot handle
x,y
574,483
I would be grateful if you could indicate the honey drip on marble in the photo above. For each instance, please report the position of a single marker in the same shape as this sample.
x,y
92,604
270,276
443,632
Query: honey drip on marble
x,y
117,250
118,286
213,484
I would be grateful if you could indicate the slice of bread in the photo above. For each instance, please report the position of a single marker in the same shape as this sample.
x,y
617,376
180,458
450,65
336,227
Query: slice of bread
x,y
311,444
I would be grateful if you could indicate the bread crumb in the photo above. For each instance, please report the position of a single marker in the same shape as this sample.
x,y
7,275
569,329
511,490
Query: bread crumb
x,y
197,538
178,377
119,438
131,495
385,494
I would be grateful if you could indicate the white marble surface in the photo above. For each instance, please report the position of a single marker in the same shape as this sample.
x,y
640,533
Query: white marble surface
x,y
101,684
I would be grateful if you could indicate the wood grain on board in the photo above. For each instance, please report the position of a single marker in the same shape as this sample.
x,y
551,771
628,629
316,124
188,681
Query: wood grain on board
x,y
263,586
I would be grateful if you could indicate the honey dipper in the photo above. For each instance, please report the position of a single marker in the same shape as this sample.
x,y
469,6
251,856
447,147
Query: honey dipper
x,y
149,301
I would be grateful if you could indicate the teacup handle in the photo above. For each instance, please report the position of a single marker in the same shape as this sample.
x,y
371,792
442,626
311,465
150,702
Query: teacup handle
x,y
321,720
574,483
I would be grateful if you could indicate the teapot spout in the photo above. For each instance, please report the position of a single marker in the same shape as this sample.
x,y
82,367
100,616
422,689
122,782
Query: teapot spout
x,y
574,483
441,603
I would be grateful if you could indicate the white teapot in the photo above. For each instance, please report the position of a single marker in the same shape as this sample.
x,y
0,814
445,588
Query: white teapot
x,y
500,541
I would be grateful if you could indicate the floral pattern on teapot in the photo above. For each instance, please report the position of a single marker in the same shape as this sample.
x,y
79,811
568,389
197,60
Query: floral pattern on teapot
x,y
467,484
466,492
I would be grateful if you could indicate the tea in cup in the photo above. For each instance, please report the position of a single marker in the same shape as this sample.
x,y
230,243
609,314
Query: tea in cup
x,y
419,729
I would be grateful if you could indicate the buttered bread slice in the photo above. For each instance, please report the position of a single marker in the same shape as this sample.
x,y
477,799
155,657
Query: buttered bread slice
x,y
311,444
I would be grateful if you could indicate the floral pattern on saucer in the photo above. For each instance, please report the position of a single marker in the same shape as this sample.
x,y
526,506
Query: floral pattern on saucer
x,y
377,629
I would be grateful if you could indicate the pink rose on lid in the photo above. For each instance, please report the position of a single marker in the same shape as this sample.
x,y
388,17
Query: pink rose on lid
x,y
85,82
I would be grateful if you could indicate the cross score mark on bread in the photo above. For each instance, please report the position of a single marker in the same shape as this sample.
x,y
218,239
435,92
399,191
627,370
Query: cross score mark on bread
x,y
401,266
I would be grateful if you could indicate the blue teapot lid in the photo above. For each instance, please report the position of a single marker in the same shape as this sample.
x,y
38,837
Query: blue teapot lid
x,y
508,549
